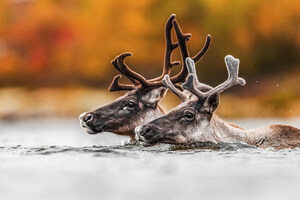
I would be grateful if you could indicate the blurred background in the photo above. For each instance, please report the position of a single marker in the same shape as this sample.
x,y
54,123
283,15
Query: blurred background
x,y
55,55
55,63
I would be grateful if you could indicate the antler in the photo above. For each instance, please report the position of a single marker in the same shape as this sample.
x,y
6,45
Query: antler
x,y
191,70
116,65
182,39
143,82
232,66
170,46
167,83
136,78
139,81
116,86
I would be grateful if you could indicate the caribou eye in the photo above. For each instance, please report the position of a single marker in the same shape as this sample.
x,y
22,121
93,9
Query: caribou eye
x,y
130,105
189,116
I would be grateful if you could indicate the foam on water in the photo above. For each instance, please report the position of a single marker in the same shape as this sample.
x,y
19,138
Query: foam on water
x,y
127,149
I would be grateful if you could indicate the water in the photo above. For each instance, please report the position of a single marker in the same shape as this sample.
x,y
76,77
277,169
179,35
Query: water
x,y
55,159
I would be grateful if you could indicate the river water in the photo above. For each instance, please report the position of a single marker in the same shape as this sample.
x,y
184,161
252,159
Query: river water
x,y
55,159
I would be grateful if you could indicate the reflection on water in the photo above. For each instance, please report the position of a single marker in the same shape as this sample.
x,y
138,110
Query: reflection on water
x,y
55,159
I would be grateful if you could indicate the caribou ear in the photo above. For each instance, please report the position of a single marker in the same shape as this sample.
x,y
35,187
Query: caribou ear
x,y
154,96
211,103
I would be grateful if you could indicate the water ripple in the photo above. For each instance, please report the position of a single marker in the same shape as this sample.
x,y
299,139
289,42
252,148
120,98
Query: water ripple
x,y
132,149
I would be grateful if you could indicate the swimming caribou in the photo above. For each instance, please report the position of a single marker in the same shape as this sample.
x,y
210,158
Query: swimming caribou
x,y
194,119
140,104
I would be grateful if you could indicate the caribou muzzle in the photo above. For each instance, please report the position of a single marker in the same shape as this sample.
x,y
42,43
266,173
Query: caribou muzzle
x,y
87,121
145,134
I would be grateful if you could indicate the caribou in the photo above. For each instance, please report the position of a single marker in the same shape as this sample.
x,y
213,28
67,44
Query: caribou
x,y
140,104
194,121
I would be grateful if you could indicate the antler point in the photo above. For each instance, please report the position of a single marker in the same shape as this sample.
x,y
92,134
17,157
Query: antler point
x,y
128,54
242,81
166,77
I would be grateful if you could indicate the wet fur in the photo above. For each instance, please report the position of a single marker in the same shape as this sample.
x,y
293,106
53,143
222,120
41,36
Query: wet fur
x,y
274,136
194,119
281,137
119,119
207,127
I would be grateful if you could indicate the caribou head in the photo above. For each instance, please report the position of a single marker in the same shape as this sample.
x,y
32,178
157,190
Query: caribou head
x,y
193,120
140,104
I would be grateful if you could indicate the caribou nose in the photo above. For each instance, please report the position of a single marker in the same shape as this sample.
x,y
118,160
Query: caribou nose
x,y
145,130
87,117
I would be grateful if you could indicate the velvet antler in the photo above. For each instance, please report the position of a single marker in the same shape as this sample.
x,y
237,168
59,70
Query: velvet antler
x,y
232,66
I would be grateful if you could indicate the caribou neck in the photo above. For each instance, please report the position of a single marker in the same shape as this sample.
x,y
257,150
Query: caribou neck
x,y
221,130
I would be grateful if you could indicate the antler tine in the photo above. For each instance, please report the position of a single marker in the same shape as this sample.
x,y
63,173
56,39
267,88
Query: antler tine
x,y
192,80
132,75
189,85
201,53
181,38
232,65
167,83
116,86
192,70
191,67
129,72
116,65
188,67
170,46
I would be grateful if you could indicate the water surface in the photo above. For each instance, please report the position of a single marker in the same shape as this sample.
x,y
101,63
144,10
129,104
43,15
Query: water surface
x,y
55,159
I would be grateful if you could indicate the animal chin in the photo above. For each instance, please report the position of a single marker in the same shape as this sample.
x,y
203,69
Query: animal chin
x,y
90,131
94,131
144,142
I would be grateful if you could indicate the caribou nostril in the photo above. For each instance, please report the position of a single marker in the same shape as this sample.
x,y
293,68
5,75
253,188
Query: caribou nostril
x,y
145,131
87,118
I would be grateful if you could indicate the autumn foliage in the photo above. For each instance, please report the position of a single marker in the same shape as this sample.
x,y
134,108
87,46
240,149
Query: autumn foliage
x,y
71,42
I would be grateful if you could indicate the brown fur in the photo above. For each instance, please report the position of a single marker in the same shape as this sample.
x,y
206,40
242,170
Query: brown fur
x,y
280,137
283,137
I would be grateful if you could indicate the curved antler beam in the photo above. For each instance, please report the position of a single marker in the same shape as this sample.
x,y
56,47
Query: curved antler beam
x,y
182,38
168,84
116,65
197,57
170,46
129,72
